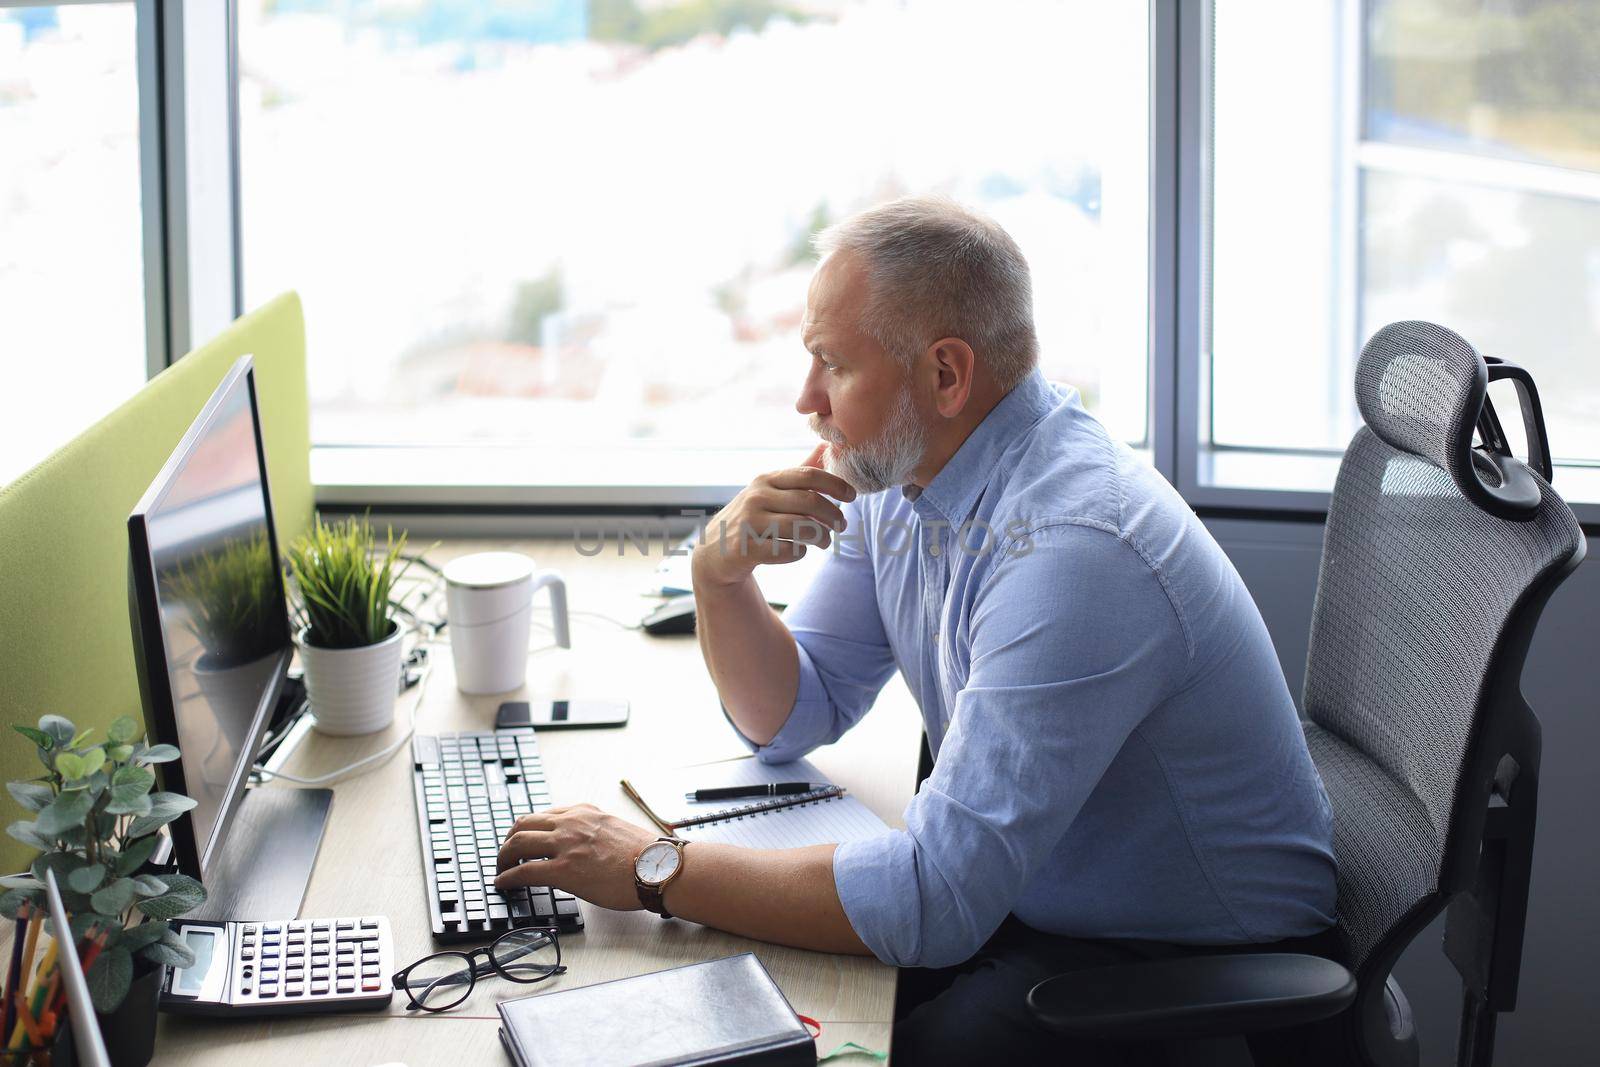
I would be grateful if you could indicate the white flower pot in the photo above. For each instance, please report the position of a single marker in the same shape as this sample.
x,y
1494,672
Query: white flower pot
x,y
352,690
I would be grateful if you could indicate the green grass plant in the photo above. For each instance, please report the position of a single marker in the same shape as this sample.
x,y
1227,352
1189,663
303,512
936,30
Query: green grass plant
x,y
344,581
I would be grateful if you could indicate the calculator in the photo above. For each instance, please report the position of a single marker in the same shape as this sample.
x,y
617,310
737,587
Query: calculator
x,y
283,967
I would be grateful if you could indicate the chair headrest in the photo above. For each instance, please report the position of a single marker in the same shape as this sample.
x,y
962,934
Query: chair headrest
x,y
1422,388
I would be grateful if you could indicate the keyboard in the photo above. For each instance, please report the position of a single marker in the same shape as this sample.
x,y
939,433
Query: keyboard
x,y
470,788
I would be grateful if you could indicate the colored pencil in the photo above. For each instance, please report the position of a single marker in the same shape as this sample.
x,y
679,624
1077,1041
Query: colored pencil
x,y
21,1001
14,973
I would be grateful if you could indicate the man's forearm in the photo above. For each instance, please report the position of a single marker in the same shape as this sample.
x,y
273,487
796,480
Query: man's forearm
x,y
785,896
750,654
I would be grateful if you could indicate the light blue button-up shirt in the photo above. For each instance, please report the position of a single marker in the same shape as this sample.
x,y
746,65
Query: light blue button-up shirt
x,y
1116,751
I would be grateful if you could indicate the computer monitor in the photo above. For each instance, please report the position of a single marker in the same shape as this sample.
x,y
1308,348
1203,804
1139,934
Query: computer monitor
x,y
210,622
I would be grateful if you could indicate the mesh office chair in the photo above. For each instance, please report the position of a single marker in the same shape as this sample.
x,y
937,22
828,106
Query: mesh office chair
x,y
1437,561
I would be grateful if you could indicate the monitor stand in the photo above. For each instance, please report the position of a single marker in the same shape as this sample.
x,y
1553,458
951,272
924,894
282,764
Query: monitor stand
x,y
265,865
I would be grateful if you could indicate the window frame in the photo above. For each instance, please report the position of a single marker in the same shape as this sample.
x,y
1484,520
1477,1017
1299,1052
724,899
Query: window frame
x,y
1178,308
1200,462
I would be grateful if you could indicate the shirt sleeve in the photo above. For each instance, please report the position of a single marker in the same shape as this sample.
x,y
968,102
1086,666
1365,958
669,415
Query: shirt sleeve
x,y
845,658
1072,646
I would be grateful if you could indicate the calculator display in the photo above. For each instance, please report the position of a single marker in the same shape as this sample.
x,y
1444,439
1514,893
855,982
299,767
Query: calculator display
x,y
193,977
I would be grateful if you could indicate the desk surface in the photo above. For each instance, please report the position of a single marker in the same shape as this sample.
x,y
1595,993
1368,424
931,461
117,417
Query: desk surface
x,y
370,860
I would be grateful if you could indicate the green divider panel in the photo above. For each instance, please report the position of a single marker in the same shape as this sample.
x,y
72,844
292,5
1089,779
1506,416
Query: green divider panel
x,y
65,635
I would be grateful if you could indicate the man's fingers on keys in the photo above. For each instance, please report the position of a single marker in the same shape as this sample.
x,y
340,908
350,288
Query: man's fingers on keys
x,y
525,845
542,872
539,820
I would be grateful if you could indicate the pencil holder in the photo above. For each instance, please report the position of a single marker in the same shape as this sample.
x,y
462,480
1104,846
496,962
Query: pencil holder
x,y
57,1052
130,1031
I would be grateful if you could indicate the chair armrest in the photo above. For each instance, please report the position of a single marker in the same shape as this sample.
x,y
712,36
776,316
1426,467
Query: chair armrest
x,y
1195,996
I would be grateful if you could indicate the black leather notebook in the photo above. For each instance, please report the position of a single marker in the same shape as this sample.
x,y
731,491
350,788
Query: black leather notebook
x,y
724,1011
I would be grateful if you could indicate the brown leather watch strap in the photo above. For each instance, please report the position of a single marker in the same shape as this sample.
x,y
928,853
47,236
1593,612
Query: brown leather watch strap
x,y
653,897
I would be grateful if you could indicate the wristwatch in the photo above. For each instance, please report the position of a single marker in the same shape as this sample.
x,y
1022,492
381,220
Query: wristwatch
x,y
657,864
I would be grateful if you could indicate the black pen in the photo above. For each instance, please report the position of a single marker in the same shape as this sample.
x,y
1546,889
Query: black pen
x,y
743,792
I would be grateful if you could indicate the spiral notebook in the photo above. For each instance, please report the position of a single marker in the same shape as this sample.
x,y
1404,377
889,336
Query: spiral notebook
x,y
824,816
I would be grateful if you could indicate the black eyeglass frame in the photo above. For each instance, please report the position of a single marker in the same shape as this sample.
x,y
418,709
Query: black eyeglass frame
x,y
476,970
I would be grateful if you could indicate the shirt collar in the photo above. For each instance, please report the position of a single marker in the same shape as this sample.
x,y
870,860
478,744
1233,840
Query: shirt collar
x,y
954,491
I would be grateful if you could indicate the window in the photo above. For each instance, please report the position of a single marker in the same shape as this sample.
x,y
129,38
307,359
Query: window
x,y
1399,159
72,293
585,222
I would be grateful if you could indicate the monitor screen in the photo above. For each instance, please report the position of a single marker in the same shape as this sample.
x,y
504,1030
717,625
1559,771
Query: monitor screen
x,y
209,610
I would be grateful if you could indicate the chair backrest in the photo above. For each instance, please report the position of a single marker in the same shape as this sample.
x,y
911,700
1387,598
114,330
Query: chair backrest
x,y
1424,604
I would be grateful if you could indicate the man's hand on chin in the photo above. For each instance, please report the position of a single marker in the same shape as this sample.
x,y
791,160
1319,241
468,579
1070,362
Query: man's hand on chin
x,y
580,850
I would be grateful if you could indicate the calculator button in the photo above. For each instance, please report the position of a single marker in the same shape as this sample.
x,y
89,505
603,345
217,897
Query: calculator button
x,y
346,987
369,924
295,952
370,985
347,924
270,928
268,991
319,972
247,954
319,988
369,971
250,928
321,924
320,937
293,989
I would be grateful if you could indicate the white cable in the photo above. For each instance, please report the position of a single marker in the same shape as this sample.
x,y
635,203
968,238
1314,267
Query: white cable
x,y
342,772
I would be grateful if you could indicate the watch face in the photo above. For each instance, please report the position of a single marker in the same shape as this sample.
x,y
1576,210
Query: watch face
x,y
656,863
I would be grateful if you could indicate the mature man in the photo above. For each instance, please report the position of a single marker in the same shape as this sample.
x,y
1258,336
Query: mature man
x,y
1119,772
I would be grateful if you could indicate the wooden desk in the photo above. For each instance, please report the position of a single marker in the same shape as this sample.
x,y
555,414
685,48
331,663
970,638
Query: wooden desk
x,y
371,862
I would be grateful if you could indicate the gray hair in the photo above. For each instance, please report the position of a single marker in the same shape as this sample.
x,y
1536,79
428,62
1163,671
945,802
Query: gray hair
x,y
936,269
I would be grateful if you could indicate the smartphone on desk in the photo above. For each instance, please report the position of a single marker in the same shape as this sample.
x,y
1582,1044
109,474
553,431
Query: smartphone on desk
x,y
561,714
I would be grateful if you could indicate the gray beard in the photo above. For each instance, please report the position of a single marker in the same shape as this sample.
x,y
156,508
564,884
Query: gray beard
x,y
887,461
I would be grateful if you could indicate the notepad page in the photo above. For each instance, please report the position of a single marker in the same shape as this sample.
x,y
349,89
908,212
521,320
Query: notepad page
x,y
664,791
821,822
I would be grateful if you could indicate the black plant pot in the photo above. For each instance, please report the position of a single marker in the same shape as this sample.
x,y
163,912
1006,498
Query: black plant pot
x,y
130,1031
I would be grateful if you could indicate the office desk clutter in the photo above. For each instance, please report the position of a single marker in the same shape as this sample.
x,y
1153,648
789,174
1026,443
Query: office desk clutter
x,y
96,817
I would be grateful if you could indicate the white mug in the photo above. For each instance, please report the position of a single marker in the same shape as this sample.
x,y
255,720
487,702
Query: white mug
x,y
489,603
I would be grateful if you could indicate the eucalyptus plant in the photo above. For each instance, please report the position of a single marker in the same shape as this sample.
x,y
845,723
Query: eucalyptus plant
x,y
345,582
95,819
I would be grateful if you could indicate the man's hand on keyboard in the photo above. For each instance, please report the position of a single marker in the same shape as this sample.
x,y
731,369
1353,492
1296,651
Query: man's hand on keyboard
x,y
579,849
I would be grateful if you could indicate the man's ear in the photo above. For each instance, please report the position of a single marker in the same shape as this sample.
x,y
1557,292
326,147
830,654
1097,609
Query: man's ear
x,y
953,364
